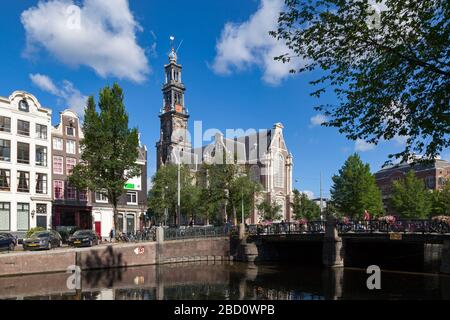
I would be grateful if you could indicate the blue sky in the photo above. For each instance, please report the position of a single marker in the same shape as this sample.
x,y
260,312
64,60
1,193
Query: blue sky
x,y
231,79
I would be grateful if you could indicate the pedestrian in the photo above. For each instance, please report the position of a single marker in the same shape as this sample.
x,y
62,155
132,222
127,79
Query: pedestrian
x,y
366,215
112,234
366,219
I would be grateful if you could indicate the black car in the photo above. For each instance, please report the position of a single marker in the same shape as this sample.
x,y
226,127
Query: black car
x,y
11,236
42,240
7,243
84,238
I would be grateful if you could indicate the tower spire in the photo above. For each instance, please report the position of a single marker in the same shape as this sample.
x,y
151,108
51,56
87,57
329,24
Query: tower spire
x,y
173,114
172,54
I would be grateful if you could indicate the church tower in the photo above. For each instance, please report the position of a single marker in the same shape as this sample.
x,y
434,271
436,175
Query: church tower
x,y
173,114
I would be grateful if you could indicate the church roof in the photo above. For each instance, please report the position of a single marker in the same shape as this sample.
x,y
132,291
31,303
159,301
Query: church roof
x,y
249,145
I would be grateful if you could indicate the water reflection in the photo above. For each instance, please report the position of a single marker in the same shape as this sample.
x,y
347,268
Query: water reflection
x,y
224,281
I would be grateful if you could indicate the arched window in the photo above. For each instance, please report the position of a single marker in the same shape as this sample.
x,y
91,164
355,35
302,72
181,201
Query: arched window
x,y
279,171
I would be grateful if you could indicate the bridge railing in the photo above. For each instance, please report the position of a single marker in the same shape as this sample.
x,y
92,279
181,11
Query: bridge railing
x,y
287,228
404,226
195,232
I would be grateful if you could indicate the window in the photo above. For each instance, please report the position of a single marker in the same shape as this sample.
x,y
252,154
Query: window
x,y
120,221
41,208
41,156
23,128
58,189
23,181
5,124
41,183
430,182
5,150
82,195
23,105
255,173
5,216
132,197
57,143
23,216
58,165
70,164
5,179
41,131
101,197
71,193
70,131
279,171
23,153
130,223
71,146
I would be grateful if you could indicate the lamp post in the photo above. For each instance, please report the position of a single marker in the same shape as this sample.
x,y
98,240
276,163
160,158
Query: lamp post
x,y
242,226
165,206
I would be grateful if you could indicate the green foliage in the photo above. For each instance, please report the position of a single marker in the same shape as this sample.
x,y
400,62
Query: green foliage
x,y
271,211
391,80
33,230
410,198
304,208
109,148
227,183
164,192
354,190
441,200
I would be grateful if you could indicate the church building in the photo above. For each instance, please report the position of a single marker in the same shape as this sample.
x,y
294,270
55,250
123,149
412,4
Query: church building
x,y
264,153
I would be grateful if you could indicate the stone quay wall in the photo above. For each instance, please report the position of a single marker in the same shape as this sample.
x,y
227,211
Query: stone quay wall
x,y
115,256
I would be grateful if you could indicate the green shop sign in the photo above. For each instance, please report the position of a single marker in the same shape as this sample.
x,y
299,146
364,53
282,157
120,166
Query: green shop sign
x,y
129,186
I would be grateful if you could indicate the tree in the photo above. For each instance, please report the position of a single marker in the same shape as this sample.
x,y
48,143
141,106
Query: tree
x,y
303,207
227,183
242,189
410,198
109,148
389,67
441,200
355,190
270,210
164,192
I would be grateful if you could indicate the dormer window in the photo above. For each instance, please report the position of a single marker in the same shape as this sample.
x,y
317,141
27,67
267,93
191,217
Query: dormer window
x,y
23,105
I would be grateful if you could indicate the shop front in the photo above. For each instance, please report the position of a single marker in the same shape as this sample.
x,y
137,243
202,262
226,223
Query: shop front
x,y
72,216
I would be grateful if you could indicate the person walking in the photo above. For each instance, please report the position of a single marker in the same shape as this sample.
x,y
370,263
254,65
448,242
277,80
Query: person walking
x,y
112,234
366,219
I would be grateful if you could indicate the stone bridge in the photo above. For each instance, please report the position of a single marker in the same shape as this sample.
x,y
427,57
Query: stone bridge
x,y
405,244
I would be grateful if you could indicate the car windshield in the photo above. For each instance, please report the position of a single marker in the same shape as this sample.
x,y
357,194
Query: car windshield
x,y
82,233
40,235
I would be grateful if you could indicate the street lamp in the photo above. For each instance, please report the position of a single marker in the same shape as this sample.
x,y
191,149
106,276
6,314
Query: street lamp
x,y
165,206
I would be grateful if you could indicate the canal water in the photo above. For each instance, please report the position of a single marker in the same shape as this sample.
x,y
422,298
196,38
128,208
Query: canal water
x,y
224,280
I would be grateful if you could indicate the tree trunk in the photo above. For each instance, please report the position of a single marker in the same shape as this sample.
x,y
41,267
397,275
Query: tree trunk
x,y
234,215
115,218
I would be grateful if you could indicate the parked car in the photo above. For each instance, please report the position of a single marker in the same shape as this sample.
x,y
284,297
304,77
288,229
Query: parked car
x,y
43,240
7,243
11,236
84,238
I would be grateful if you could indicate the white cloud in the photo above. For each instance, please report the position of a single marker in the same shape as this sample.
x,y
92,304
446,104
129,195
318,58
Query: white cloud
x,y
308,193
362,146
104,39
67,92
317,120
44,83
243,45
